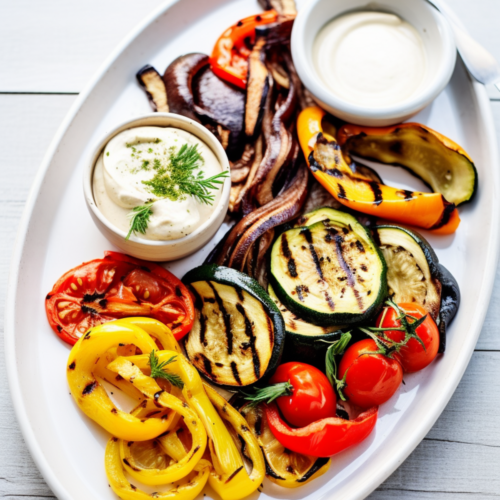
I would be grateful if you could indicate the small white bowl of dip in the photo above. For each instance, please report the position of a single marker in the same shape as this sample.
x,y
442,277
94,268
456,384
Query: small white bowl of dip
x,y
373,63
133,153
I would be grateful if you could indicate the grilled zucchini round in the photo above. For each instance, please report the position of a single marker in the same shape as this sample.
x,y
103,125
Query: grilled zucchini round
x,y
329,272
238,334
304,341
413,273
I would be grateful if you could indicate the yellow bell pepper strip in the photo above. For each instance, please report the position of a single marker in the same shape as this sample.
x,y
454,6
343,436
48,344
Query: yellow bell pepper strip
x,y
189,489
172,445
426,210
234,486
195,395
148,386
89,394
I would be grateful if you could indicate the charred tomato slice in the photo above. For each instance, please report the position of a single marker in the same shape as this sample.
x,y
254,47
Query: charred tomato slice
x,y
117,286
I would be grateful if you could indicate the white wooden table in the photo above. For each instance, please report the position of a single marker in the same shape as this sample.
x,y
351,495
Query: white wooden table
x,y
48,51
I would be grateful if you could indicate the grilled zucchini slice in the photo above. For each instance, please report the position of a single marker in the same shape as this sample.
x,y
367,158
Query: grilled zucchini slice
x,y
284,467
329,272
238,334
304,341
413,273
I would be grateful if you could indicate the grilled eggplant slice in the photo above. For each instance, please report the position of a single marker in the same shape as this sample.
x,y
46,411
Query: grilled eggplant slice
x,y
151,81
238,334
450,302
442,164
413,273
329,272
304,341
283,467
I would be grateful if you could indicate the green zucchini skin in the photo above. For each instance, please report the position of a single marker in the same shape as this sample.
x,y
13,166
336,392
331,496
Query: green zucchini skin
x,y
240,281
316,220
450,302
304,342
428,254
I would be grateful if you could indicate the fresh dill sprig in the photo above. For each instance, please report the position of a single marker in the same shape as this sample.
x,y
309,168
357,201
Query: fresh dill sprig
x,y
139,219
177,179
158,370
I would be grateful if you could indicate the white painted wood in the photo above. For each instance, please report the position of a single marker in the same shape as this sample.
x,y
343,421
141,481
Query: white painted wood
x,y
55,46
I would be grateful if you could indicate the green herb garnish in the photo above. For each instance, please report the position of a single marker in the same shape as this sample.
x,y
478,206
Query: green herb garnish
x,y
158,370
139,219
268,394
177,179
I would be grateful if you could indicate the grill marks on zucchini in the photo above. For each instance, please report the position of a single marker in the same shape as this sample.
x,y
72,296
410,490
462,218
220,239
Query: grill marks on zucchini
x,y
233,338
412,268
339,274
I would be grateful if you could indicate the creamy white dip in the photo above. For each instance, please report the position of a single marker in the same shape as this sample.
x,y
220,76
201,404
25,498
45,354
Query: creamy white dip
x,y
134,156
373,59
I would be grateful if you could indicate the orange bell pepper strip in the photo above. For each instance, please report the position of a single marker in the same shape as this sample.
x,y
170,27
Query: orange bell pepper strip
x,y
327,163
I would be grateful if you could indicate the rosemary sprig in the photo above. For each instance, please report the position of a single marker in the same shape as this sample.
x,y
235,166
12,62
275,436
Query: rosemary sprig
x,y
336,348
268,394
158,370
139,219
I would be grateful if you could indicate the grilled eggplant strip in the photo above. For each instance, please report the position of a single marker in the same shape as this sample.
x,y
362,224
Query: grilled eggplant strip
x,y
238,334
282,209
450,302
257,88
151,81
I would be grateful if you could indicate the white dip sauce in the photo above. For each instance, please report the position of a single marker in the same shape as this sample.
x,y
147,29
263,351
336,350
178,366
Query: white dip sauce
x,y
372,59
136,155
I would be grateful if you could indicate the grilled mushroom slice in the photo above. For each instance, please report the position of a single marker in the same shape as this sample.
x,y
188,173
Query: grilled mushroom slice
x,y
284,467
238,334
178,79
150,80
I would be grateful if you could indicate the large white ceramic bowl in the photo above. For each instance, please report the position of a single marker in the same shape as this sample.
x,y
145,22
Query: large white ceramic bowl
x,y
159,250
438,40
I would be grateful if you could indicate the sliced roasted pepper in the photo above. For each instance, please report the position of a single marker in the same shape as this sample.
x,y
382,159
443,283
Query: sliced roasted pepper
x,y
148,386
426,210
438,161
189,488
229,59
325,437
89,394
239,484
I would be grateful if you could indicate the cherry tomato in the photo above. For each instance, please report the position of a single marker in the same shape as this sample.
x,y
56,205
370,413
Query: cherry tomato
x,y
117,286
413,357
313,396
371,379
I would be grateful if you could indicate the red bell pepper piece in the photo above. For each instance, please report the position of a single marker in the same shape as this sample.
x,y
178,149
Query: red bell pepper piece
x,y
322,438
229,59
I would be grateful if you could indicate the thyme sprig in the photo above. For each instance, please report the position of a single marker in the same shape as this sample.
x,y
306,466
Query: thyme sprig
x,y
158,370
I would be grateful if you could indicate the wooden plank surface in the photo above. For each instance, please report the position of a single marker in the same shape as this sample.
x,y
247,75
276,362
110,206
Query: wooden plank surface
x,y
54,47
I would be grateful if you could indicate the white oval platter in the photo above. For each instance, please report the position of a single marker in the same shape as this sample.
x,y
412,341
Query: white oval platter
x,y
57,233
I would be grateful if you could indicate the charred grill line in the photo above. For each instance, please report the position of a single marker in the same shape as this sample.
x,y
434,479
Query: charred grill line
x,y
308,236
250,334
285,249
203,329
347,270
226,317
377,192
93,297
236,375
